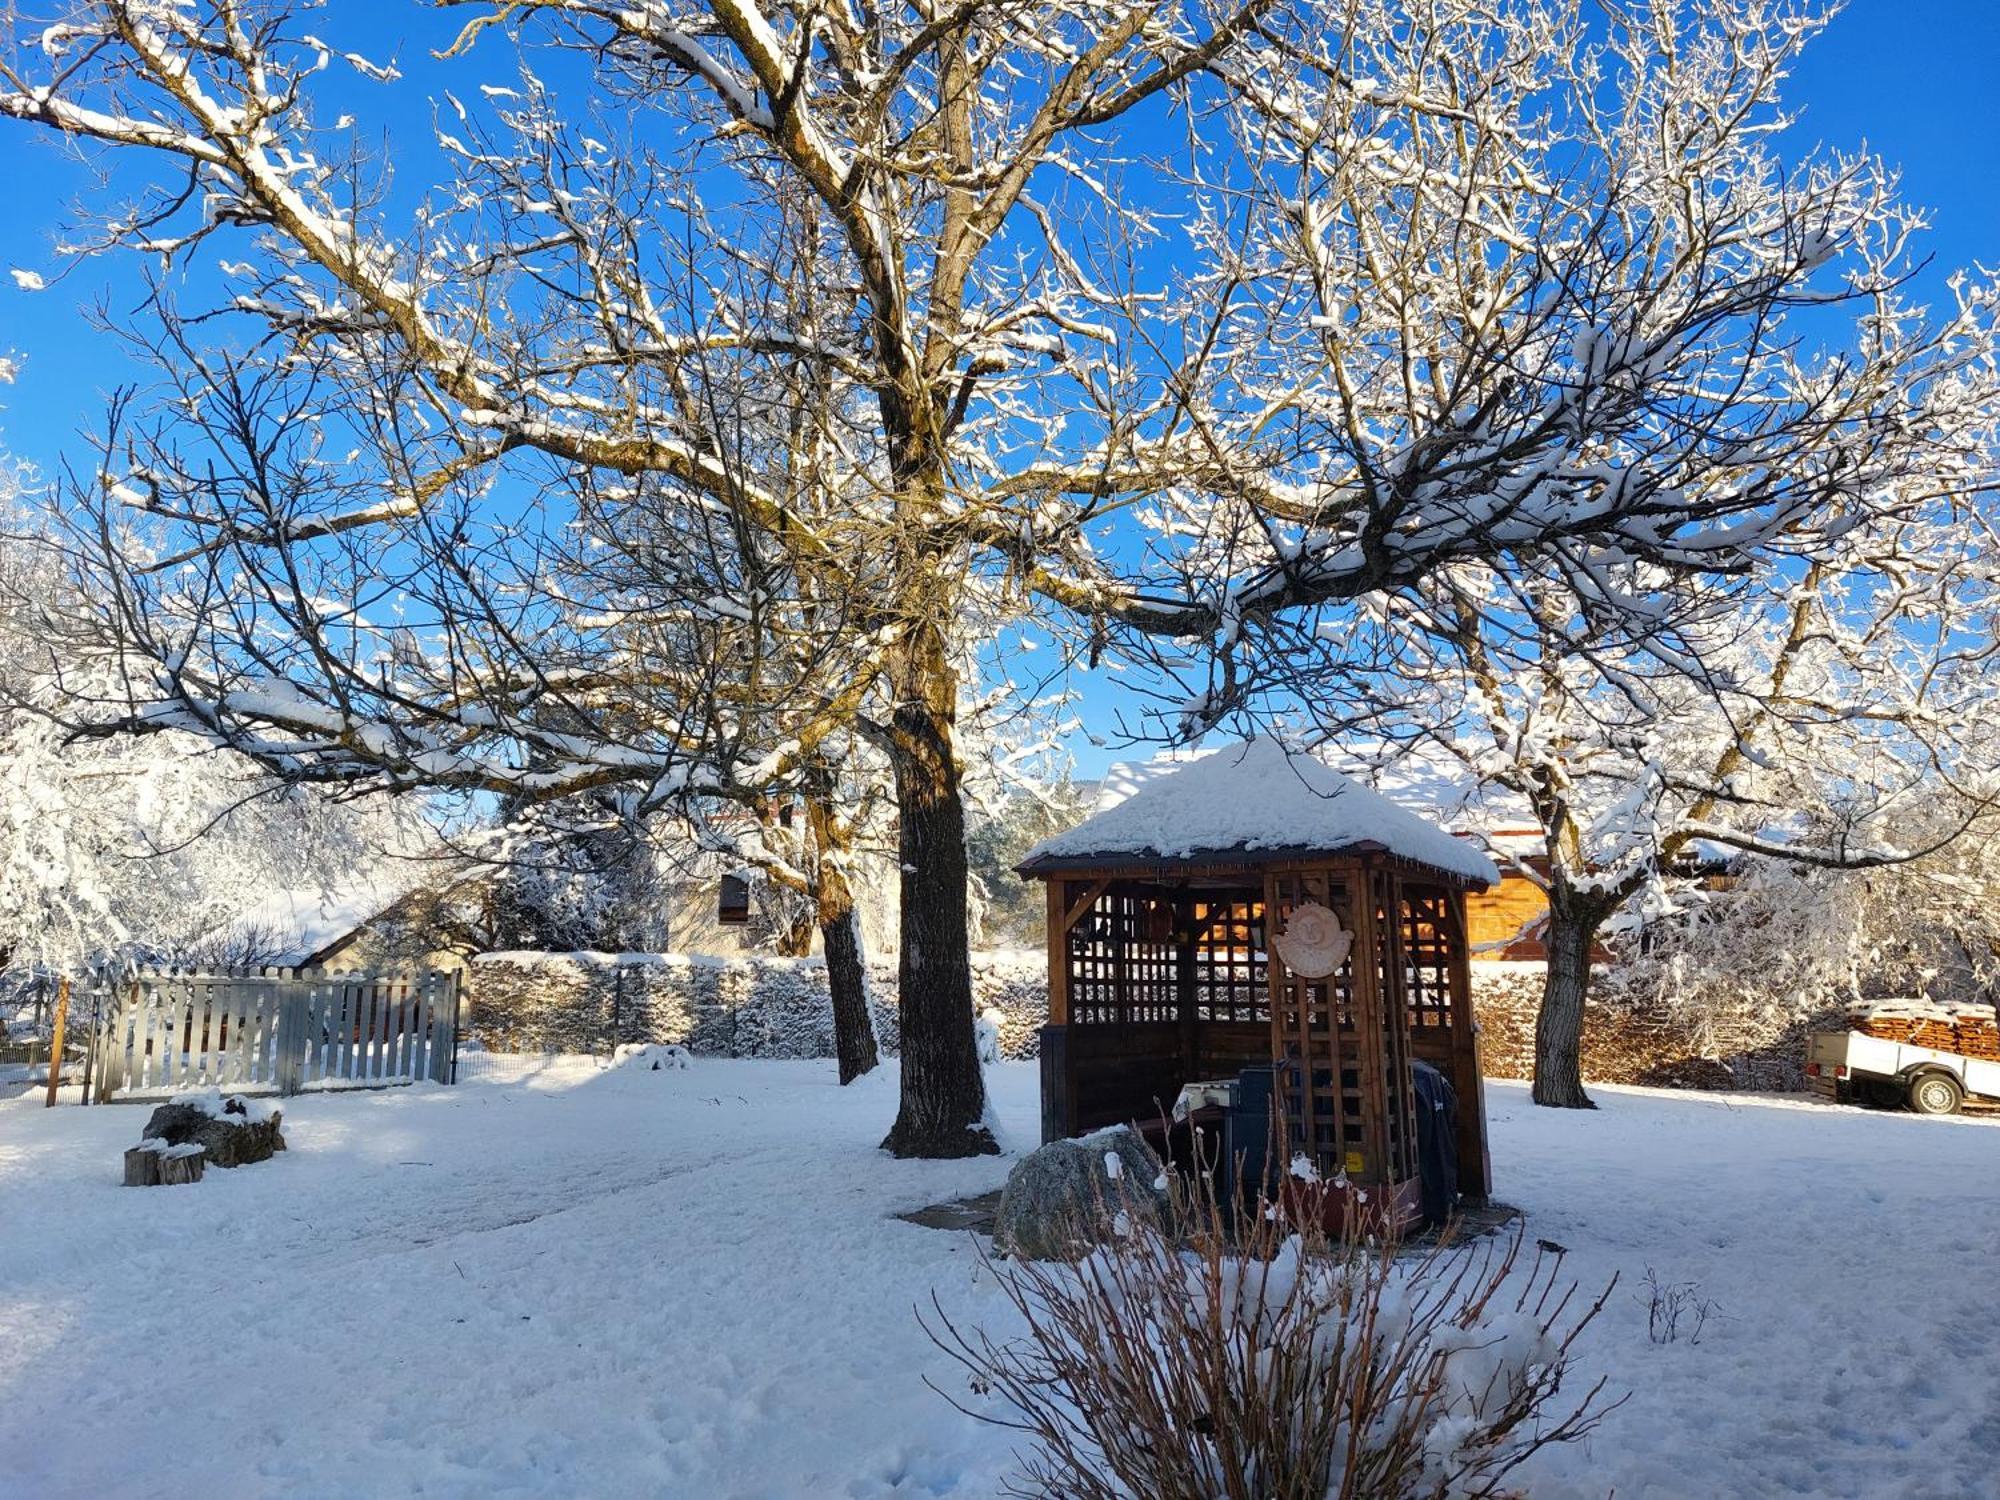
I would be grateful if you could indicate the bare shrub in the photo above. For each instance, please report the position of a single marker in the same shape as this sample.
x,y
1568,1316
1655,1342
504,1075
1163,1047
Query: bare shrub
x,y
1676,1309
1278,1363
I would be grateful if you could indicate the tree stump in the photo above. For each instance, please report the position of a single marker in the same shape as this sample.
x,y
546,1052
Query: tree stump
x,y
234,1131
153,1163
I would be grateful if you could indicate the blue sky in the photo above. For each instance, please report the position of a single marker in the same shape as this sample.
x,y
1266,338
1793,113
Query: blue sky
x,y
1916,80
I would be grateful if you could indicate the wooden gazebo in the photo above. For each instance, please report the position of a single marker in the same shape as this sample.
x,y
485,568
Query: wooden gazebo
x,y
1188,930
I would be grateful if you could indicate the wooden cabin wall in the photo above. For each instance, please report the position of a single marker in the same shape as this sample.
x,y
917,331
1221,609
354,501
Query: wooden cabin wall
x,y
1121,1074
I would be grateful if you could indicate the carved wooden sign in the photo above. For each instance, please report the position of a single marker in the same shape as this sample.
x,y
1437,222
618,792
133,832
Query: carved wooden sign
x,y
1314,944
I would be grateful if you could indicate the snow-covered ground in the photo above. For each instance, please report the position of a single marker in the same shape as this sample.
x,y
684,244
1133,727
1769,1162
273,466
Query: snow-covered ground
x,y
688,1283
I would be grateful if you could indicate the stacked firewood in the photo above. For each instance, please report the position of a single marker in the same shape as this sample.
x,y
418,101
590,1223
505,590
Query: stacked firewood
x,y
1969,1030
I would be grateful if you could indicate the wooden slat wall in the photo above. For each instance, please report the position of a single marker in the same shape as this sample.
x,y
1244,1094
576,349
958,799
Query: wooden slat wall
x,y
1124,1074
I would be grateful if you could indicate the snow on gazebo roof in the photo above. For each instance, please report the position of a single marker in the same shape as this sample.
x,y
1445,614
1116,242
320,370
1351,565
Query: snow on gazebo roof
x,y
1250,798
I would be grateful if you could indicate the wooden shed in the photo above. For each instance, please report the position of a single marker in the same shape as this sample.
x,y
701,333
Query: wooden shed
x,y
1189,931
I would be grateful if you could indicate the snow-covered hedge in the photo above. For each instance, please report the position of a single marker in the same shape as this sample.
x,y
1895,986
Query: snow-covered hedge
x,y
750,1006
778,1007
1632,1036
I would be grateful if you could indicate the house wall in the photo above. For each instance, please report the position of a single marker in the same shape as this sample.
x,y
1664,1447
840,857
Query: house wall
x,y
369,950
692,927
1496,919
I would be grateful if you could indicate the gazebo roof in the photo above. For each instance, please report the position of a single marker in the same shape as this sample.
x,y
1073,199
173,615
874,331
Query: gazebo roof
x,y
1253,802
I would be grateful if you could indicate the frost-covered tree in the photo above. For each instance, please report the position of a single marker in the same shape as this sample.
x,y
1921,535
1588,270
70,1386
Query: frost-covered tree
x,y
1789,938
1817,719
1189,322
1828,715
136,847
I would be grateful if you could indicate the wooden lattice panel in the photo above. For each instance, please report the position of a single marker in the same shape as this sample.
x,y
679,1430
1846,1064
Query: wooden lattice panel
x,y
1428,955
1315,1034
1345,1087
1390,1017
1122,961
1230,978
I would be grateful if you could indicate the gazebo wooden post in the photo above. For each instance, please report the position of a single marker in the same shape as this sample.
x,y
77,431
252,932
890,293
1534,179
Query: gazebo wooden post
x,y
1475,1160
1058,893
1372,976
1058,1092
1185,1000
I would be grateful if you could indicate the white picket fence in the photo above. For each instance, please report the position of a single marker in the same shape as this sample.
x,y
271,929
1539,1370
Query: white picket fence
x,y
279,1030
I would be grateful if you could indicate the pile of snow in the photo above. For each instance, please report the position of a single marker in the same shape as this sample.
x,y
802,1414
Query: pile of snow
x,y
986,1034
651,1057
1255,796
159,1147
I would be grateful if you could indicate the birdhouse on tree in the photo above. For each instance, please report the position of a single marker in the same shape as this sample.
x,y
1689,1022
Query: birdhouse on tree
x,y
733,904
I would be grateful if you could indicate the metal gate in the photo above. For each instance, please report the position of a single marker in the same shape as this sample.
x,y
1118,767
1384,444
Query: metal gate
x,y
163,1031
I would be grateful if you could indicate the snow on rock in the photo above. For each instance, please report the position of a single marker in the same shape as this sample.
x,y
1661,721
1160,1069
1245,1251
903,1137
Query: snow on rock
x,y
1060,1199
233,1130
230,1109
1252,796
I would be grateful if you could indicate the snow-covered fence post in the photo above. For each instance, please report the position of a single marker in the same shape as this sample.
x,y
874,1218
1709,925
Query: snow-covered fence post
x,y
56,1041
456,984
290,995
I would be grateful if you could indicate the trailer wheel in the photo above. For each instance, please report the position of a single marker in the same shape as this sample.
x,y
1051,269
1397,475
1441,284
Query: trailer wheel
x,y
1935,1094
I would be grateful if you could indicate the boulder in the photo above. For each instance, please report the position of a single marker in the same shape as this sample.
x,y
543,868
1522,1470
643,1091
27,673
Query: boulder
x,y
233,1131
1071,1195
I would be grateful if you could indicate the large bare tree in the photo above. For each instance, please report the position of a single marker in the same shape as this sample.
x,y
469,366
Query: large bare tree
x,y
1192,321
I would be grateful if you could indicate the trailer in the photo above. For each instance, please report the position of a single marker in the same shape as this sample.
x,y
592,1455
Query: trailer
x,y
1852,1067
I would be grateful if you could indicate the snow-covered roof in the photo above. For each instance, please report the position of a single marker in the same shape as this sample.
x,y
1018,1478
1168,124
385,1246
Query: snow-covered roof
x,y
1249,797
1436,783
298,925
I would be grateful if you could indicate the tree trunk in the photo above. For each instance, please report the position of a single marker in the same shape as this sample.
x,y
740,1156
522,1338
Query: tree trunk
x,y
1572,933
943,1094
847,981
840,937
795,935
